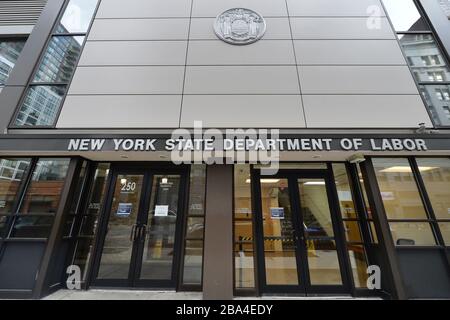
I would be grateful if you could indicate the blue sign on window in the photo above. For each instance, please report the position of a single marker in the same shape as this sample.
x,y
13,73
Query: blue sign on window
x,y
277,213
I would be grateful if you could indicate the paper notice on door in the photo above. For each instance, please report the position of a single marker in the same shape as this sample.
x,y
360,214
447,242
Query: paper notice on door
x,y
161,211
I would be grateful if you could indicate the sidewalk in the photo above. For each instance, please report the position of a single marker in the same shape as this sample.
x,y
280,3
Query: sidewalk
x,y
165,295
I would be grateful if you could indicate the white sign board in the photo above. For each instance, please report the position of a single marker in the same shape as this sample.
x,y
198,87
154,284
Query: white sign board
x,y
161,211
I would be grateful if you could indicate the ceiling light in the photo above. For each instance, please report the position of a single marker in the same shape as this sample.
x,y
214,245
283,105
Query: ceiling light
x,y
265,180
314,183
405,169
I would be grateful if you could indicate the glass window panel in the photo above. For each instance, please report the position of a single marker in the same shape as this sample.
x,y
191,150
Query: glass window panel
x,y
89,225
244,268
44,191
279,246
40,106
404,15
157,259
195,228
445,231
243,231
352,231
315,208
117,248
59,60
412,234
193,258
3,224
193,261
243,228
11,174
437,99
293,166
435,173
9,53
425,58
344,191
77,16
83,254
358,264
399,191
76,201
242,192
323,262
280,262
197,187
32,226
98,189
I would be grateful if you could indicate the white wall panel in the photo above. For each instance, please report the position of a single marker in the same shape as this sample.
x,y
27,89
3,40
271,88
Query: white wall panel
x,y
362,52
120,112
129,53
241,80
345,8
368,111
144,8
243,111
217,52
339,28
140,29
356,80
212,8
127,80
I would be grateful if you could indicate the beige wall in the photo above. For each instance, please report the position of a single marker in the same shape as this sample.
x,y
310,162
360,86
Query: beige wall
x,y
158,64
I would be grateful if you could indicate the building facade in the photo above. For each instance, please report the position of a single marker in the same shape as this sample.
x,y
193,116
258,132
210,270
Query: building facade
x,y
240,147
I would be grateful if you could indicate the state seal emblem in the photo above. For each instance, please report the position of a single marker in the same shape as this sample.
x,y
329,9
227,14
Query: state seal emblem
x,y
239,26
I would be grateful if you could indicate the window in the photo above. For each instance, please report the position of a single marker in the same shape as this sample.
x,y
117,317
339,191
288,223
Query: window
x,y
88,218
41,199
193,241
409,221
435,173
352,226
437,98
446,111
42,100
30,190
9,53
428,65
243,229
12,173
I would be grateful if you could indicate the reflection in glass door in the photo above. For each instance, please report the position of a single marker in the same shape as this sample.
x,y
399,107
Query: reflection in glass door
x,y
160,228
319,238
279,233
118,246
141,246
299,247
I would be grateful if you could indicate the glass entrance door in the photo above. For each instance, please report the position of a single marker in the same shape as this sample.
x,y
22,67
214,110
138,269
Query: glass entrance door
x,y
140,246
298,244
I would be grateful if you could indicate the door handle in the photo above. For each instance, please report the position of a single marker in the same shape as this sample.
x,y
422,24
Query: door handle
x,y
143,232
133,232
